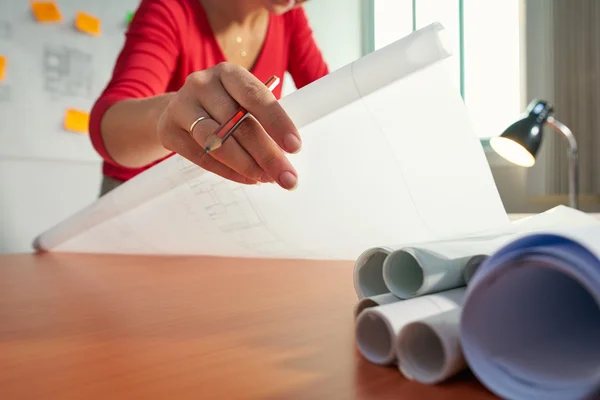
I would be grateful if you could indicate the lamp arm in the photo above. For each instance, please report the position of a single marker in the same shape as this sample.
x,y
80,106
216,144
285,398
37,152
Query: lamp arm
x,y
573,159
563,130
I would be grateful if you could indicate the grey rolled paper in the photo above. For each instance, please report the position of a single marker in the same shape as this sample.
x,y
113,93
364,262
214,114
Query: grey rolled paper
x,y
368,272
472,266
377,327
374,301
412,272
429,350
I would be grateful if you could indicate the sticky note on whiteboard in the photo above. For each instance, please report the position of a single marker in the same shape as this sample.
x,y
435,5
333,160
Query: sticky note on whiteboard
x,y
76,121
46,11
87,23
2,67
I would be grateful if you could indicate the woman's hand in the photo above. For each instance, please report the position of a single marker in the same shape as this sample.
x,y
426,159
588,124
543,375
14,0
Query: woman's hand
x,y
255,152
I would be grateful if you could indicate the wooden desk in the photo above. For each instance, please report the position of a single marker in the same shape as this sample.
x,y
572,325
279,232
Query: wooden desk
x,y
119,327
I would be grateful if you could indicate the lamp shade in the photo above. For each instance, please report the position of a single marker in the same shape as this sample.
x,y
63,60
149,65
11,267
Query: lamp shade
x,y
520,142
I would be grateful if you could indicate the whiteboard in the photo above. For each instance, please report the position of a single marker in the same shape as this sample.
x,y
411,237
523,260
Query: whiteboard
x,y
50,68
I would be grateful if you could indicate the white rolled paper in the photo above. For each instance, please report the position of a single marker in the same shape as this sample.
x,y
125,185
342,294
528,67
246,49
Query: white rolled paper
x,y
374,301
429,350
412,272
377,328
472,266
368,272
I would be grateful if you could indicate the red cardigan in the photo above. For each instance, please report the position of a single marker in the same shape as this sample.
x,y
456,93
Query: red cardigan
x,y
169,39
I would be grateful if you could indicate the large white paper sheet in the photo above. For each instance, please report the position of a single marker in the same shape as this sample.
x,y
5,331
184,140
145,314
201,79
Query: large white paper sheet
x,y
389,155
531,318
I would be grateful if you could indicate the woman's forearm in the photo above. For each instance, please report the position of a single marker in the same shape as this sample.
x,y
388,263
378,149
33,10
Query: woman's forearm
x,y
129,131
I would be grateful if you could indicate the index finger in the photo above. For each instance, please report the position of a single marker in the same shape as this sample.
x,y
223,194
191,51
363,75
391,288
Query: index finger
x,y
252,94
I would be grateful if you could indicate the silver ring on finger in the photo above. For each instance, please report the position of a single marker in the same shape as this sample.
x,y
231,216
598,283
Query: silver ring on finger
x,y
193,125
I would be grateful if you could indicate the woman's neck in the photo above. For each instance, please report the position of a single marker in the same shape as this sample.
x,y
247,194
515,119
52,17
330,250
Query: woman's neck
x,y
224,13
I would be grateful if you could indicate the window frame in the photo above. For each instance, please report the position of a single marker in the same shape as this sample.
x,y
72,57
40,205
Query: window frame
x,y
368,46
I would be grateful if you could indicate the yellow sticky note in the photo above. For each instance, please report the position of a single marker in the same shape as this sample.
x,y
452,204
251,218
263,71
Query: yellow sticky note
x,y
2,67
77,121
87,23
46,11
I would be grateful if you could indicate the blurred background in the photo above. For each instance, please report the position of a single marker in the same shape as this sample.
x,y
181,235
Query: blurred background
x,y
506,53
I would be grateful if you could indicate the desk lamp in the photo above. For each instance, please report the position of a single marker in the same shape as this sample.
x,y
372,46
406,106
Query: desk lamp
x,y
520,142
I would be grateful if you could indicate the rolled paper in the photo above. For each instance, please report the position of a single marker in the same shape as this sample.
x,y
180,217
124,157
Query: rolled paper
x,y
377,327
425,268
412,272
368,272
531,318
409,270
472,266
429,350
374,301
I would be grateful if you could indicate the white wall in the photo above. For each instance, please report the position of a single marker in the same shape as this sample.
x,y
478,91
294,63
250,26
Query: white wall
x,y
38,194
337,25
341,43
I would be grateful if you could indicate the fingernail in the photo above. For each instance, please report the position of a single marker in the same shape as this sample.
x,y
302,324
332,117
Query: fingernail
x,y
288,180
292,143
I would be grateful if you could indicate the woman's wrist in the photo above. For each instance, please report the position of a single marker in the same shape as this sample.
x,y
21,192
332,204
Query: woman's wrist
x,y
158,109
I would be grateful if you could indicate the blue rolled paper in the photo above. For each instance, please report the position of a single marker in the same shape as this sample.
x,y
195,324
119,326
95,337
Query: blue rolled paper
x,y
530,325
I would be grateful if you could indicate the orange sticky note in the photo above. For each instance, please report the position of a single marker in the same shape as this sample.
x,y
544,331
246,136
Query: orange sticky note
x,y
87,23
77,121
2,67
46,11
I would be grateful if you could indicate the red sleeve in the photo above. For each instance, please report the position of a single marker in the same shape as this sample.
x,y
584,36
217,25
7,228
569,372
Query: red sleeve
x,y
145,63
306,63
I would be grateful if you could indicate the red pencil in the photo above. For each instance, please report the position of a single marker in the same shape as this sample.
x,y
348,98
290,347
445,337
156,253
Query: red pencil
x,y
218,137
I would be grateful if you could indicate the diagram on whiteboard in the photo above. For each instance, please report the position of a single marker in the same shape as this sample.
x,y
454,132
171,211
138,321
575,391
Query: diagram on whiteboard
x,y
5,30
67,71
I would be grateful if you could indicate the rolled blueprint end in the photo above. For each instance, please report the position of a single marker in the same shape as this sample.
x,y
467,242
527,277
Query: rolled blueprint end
x,y
375,338
428,351
531,320
472,266
377,327
374,301
368,272
37,245
403,274
415,271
